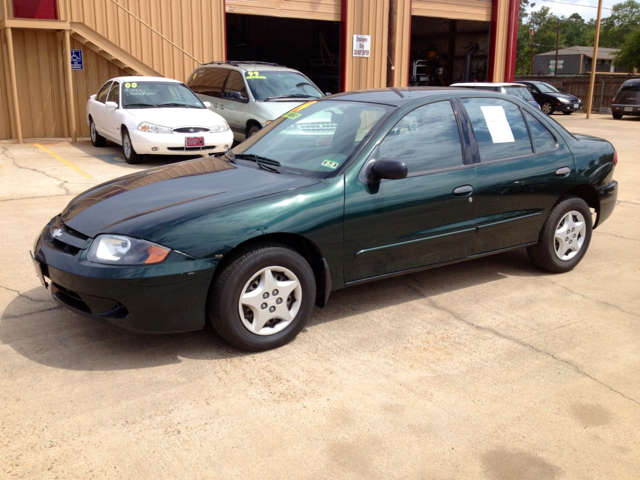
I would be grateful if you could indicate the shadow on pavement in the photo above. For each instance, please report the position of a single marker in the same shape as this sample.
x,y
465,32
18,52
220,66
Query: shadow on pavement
x,y
37,328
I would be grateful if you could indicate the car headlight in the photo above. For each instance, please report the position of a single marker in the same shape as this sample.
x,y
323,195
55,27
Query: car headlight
x,y
151,128
564,100
220,127
121,250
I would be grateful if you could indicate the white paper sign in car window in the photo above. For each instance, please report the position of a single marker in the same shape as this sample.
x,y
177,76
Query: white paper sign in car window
x,y
498,125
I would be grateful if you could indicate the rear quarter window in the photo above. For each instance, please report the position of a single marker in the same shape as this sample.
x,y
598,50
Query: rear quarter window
x,y
208,81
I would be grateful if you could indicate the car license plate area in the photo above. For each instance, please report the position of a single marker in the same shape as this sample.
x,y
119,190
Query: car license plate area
x,y
39,267
628,109
191,142
576,106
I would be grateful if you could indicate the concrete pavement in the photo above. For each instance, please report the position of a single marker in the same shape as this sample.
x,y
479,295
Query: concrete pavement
x,y
488,369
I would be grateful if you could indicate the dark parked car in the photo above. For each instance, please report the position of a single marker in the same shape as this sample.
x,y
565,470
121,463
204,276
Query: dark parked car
x,y
627,100
551,99
405,179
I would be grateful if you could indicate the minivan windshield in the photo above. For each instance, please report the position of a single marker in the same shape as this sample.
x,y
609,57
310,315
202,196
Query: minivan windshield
x,y
272,84
315,139
158,94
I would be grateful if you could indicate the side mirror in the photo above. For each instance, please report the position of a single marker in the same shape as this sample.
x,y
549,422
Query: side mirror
x,y
92,97
112,105
389,169
207,104
327,94
237,96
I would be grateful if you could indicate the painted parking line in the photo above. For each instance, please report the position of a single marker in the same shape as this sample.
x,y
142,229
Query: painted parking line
x,y
111,158
66,162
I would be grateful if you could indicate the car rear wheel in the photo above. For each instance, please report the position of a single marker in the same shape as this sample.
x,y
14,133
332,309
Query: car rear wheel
x,y
96,139
547,108
262,299
130,154
253,130
564,238
617,116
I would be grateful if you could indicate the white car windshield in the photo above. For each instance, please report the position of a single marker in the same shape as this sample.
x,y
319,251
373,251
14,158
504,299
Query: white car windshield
x,y
268,85
158,95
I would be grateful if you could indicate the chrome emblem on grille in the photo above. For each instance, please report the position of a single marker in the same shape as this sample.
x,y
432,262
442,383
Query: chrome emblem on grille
x,y
56,232
191,130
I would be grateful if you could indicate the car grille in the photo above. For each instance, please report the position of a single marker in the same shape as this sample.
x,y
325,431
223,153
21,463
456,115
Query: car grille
x,y
65,240
317,127
190,130
191,149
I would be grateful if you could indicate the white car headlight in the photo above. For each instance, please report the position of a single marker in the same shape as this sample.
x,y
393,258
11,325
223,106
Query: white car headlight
x,y
220,127
121,250
151,128
564,100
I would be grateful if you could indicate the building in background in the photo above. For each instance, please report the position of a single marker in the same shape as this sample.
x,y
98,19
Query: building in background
x,y
55,53
576,61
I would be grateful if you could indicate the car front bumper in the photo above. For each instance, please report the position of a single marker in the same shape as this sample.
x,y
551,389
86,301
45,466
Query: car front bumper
x,y
169,297
567,107
174,143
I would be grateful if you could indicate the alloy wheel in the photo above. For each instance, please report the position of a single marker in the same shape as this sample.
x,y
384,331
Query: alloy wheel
x,y
569,235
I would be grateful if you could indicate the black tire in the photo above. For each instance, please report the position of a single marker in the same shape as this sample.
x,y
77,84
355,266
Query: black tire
x,y
616,116
567,113
130,154
248,272
547,108
253,130
96,139
544,254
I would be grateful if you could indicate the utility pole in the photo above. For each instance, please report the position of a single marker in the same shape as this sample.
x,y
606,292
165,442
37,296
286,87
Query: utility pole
x,y
594,61
531,37
555,70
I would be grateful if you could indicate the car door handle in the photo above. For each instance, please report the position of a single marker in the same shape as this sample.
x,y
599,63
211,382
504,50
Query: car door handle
x,y
563,172
463,190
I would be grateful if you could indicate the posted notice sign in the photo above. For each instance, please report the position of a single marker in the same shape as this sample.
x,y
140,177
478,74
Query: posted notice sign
x,y
361,45
76,59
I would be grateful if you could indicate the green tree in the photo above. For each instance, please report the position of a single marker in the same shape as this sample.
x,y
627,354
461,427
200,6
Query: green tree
x,y
624,20
629,54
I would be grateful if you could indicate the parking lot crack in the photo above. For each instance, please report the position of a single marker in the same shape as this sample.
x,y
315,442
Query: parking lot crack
x,y
619,236
3,152
23,295
19,315
600,302
498,334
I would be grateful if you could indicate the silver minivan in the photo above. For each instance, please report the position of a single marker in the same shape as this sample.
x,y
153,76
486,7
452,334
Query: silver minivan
x,y
249,95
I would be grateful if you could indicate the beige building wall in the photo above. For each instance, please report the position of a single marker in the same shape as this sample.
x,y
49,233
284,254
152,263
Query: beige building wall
x,y
453,9
309,9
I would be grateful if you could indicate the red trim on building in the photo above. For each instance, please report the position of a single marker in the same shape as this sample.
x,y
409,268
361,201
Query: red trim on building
x,y
512,41
492,40
343,44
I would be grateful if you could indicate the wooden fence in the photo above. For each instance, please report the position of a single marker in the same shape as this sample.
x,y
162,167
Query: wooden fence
x,y
604,89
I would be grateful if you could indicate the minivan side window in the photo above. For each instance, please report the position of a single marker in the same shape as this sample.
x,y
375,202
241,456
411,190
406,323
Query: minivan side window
x,y
542,138
425,139
102,93
235,83
208,81
499,128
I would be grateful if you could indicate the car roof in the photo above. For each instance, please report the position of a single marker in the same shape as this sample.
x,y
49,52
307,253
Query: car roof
x,y
142,78
405,95
249,65
634,81
486,84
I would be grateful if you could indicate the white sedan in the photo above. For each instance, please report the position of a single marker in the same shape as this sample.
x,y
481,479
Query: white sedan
x,y
154,115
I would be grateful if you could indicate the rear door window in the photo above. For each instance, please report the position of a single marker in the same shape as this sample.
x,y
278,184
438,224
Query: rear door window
x,y
425,139
499,128
542,138
208,81
235,83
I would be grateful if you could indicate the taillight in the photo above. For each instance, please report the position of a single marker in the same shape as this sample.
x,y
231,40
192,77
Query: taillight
x,y
615,157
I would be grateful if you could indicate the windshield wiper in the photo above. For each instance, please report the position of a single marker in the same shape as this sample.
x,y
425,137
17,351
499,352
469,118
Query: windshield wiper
x,y
292,95
262,162
174,104
141,105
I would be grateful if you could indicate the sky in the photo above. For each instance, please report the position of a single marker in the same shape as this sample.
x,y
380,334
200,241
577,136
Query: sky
x,y
587,9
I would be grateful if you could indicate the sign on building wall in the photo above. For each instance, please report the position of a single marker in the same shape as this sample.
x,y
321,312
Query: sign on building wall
x,y
76,59
361,45
552,64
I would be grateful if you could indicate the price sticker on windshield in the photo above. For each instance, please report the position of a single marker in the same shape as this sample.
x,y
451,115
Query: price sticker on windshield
x,y
330,164
292,115
252,75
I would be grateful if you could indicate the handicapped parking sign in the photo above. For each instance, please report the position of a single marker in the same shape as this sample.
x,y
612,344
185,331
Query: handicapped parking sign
x,y
76,59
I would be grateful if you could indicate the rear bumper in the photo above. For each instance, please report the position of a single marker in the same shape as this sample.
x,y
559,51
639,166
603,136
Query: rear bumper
x,y
626,109
607,195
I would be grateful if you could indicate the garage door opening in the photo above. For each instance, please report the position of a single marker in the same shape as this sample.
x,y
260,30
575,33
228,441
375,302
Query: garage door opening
x,y
310,46
445,51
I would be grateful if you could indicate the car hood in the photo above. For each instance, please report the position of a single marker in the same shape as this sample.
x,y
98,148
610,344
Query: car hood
x,y
146,201
566,96
277,108
176,117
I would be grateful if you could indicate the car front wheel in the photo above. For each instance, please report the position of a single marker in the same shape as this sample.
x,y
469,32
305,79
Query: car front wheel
x,y
252,131
547,108
96,139
262,299
567,113
564,238
130,154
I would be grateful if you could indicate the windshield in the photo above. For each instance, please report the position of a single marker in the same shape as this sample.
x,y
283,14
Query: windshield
x,y
520,92
546,88
270,84
158,94
315,139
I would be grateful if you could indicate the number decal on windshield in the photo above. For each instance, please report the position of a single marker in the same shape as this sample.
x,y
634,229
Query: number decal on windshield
x,y
252,75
